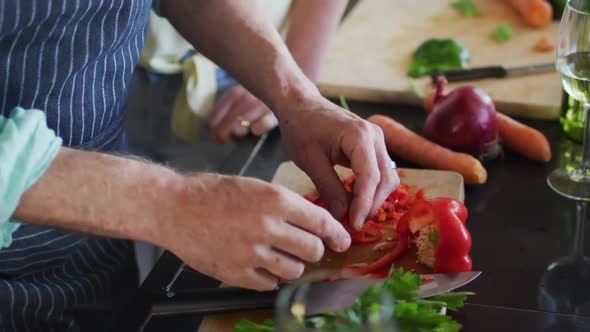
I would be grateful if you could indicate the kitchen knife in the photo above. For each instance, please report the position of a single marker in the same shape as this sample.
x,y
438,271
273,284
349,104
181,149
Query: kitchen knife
x,y
472,74
323,296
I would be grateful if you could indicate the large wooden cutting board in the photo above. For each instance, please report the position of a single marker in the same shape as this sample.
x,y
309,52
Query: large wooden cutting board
x,y
435,184
369,57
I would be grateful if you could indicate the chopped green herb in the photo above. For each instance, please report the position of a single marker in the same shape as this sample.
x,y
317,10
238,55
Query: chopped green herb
x,y
433,238
248,326
343,103
410,313
466,7
438,55
438,18
502,33
453,300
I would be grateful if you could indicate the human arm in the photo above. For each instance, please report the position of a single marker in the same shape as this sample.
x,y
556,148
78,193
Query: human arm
x,y
311,26
317,134
242,231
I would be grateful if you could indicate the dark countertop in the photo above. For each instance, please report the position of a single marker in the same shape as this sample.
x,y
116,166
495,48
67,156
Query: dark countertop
x,y
520,228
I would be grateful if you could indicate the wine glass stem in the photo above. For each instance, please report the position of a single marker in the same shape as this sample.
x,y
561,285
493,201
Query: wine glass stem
x,y
581,215
585,144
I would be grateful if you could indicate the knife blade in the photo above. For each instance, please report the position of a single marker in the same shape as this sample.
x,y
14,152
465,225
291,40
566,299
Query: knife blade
x,y
323,296
460,75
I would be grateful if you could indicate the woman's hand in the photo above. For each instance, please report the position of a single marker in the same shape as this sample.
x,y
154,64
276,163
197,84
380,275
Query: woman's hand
x,y
238,113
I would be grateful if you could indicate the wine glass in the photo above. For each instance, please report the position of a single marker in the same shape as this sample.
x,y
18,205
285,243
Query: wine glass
x,y
573,62
564,285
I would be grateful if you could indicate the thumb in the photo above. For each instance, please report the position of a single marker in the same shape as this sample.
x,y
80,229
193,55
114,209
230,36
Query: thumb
x,y
324,177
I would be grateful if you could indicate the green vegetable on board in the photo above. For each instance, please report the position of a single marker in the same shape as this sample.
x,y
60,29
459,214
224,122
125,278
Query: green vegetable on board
x,y
466,7
502,33
410,314
435,55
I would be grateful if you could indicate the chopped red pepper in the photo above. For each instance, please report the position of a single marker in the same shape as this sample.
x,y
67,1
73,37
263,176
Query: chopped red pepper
x,y
408,214
427,279
370,233
384,263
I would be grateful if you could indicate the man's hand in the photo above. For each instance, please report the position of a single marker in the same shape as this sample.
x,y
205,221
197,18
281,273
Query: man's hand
x,y
238,105
246,232
318,134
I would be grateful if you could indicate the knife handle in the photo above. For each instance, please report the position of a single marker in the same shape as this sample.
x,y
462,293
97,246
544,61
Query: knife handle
x,y
461,75
212,301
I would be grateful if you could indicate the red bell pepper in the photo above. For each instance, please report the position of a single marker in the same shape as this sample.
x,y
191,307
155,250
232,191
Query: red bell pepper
x,y
454,241
451,240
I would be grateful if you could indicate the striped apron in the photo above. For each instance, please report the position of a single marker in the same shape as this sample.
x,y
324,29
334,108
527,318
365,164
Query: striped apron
x,y
72,59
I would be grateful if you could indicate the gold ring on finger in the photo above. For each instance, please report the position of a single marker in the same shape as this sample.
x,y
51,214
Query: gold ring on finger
x,y
244,123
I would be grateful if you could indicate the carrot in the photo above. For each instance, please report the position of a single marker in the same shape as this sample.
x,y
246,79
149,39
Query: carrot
x,y
516,136
413,147
523,139
536,13
544,45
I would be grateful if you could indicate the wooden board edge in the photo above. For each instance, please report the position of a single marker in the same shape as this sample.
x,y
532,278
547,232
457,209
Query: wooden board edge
x,y
451,174
374,95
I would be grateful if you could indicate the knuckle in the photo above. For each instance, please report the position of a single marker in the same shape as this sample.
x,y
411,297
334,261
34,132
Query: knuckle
x,y
323,225
378,131
275,195
256,254
371,177
364,126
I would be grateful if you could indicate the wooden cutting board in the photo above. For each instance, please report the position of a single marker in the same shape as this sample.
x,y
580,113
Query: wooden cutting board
x,y
371,52
435,184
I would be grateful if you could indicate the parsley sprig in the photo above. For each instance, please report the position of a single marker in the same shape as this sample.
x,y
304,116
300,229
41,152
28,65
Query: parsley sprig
x,y
410,313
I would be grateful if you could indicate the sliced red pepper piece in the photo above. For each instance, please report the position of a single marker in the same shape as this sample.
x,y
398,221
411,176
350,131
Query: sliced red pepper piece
x,y
384,263
370,233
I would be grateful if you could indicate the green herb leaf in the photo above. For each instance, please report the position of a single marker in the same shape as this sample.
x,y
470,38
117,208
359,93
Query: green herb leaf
x,y
452,300
249,326
466,7
343,103
402,285
502,33
433,238
435,55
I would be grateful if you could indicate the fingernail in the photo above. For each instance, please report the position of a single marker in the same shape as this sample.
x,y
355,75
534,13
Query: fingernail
x,y
337,209
357,225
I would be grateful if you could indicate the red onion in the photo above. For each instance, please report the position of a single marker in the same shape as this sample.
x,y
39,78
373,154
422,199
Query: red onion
x,y
464,120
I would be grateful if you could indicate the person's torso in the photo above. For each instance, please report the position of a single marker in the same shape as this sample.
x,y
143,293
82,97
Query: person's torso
x,y
72,59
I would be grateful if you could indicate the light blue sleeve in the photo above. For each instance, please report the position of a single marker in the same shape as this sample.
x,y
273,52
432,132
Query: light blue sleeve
x,y
27,148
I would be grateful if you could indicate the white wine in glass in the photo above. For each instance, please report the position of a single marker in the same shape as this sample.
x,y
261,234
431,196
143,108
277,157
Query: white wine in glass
x,y
573,62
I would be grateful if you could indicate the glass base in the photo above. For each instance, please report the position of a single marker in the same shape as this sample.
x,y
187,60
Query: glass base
x,y
564,285
573,185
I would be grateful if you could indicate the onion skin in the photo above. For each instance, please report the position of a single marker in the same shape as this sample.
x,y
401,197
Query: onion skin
x,y
464,121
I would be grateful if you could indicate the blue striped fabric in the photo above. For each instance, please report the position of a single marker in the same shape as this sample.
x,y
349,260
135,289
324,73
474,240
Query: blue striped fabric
x,y
72,59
